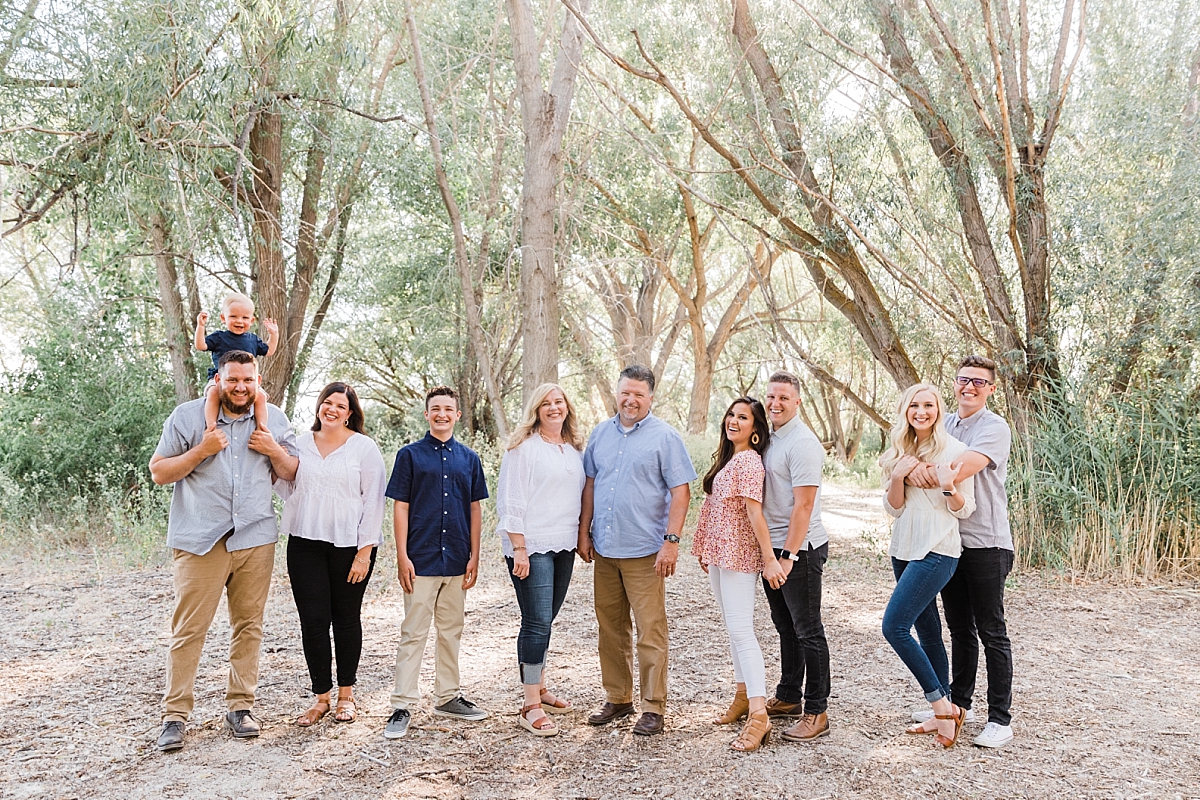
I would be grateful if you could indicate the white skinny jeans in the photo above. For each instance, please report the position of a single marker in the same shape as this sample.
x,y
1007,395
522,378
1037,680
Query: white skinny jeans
x,y
735,593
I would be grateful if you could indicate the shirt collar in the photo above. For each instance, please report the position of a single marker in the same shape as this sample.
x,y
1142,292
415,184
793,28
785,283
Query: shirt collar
x,y
971,421
616,420
223,417
787,427
438,444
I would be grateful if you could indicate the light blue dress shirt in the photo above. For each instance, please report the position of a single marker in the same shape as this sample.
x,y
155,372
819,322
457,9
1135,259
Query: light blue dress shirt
x,y
634,473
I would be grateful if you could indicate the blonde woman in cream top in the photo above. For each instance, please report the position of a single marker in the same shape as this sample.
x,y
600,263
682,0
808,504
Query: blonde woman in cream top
x,y
539,498
925,548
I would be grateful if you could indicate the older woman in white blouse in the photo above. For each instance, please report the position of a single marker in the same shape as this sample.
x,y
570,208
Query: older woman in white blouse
x,y
332,518
538,498
925,548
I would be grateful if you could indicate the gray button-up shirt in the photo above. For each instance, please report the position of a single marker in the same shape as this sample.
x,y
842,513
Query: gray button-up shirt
x,y
988,434
795,458
230,491
634,473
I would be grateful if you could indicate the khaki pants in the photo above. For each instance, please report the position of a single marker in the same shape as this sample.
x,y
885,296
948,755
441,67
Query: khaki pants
x,y
440,600
622,584
245,575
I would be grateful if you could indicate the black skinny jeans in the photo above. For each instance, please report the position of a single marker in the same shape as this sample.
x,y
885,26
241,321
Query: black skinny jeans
x,y
324,597
803,650
973,602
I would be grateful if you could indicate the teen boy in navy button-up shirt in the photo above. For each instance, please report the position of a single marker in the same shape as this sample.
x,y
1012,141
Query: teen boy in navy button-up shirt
x,y
437,484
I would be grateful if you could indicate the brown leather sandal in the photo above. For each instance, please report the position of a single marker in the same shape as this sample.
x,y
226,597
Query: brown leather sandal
x,y
920,730
313,715
755,733
739,708
555,705
960,719
542,726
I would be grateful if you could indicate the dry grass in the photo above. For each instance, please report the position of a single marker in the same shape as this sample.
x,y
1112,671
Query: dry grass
x,y
1106,702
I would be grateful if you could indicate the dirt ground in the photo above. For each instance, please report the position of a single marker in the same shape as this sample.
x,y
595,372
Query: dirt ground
x,y
1106,705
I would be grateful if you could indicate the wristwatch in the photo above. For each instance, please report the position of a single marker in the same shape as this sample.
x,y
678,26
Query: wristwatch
x,y
789,555
670,537
949,494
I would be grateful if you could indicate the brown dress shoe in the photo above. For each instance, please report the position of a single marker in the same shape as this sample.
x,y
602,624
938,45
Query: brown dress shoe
x,y
810,727
649,724
778,708
610,711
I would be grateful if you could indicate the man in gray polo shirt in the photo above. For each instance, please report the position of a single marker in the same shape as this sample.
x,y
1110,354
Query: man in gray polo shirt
x,y
973,600
792,506
222,532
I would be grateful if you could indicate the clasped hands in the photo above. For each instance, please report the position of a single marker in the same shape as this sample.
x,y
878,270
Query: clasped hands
x,y
927,476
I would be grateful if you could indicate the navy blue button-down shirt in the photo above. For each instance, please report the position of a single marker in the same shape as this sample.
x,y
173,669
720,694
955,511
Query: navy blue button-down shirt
x,y
439,481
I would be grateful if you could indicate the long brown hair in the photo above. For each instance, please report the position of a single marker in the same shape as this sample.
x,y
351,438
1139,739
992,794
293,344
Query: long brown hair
x,y
355,422
724,450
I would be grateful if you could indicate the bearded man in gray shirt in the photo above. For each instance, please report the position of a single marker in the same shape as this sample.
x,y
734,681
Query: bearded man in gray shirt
x,y
222,535
973,599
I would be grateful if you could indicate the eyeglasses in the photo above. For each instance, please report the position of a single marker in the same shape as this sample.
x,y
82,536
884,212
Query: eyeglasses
x,y
979,383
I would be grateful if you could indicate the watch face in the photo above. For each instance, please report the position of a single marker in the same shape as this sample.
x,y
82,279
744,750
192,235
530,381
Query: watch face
x,y
672,538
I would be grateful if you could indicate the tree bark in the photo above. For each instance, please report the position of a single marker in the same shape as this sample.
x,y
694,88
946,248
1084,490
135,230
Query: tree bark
x,y
544,117
178,331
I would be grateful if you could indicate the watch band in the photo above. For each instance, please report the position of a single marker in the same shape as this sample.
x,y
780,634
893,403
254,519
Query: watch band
x,y
789,555
671,537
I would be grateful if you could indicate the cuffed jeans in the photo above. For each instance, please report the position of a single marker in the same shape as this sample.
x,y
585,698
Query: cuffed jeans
x,y
245,577
803,649
324,598
914,603
973,601
735,597
540,595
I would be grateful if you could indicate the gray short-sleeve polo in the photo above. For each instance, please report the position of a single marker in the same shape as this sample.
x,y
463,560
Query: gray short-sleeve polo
x,y
988,434
796,457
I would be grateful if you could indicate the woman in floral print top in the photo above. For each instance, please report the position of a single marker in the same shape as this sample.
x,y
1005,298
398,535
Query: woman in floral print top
x,y
733,545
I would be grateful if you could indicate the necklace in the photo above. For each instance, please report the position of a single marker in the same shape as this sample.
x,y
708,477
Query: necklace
x,y
547,440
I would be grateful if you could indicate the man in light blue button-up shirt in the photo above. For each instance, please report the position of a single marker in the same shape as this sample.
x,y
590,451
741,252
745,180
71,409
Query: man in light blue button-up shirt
x,y
634,503
222,533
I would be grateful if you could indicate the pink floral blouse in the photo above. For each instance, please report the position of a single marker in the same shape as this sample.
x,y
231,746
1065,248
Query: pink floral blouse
x,y
724,537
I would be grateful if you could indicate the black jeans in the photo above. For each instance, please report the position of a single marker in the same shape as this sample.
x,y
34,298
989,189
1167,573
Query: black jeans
x,y
803,650
973,602
540,595
324,597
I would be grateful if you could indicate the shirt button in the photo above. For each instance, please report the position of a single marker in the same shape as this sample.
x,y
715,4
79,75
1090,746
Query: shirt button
x,y
445,512
445,494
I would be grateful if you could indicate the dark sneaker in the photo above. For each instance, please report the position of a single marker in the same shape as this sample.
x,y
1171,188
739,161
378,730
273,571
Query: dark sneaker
x,y
461,708
397,724
171,737
242,724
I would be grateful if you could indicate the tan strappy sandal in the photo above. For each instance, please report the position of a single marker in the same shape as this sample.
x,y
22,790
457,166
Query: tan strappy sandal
x,y
755,733
313,715
960,718
739,708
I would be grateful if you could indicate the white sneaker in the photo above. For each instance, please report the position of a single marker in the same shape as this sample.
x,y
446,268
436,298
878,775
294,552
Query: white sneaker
x,y
994,735
926,714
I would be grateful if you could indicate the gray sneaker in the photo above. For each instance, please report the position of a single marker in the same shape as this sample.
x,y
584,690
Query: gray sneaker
x,y
397,724
461,708
171,737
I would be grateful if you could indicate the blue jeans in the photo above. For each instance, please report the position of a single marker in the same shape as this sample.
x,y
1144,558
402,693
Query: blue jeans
x,y
540,595
914,603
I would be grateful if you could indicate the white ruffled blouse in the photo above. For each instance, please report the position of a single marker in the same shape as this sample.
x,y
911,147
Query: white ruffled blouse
x,y
337,498
926,524
540,495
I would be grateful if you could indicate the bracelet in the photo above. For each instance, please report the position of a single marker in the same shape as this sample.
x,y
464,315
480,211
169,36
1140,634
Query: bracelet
x,y
361,559
522,547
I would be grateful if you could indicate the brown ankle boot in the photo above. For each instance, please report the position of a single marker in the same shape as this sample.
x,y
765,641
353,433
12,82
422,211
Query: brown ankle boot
x,y
739,708
755,733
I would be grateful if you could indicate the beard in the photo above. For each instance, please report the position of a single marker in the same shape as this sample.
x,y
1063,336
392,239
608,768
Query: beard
x,y
233,408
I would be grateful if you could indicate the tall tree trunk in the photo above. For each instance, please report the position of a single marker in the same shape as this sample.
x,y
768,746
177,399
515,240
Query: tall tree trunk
x,y
270,271
544,117
178,331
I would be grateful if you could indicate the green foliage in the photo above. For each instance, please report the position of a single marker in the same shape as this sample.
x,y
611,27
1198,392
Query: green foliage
x,y
87,411
1108,484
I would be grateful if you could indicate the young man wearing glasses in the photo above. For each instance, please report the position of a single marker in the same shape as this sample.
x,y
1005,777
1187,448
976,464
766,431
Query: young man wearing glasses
x,y
973,600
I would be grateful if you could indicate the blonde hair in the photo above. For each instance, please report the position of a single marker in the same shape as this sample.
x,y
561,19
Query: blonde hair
x,y
530,424
236,297
904,437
